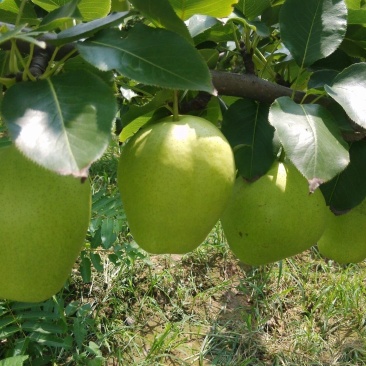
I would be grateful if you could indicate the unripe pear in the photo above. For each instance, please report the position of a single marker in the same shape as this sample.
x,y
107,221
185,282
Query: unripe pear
x,y
175,180
344,239
43,222
274,217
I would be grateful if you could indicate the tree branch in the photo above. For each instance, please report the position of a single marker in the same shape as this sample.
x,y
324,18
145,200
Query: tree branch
x,y
251,86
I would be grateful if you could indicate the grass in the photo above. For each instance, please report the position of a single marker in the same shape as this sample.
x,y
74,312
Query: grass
x,y
202,308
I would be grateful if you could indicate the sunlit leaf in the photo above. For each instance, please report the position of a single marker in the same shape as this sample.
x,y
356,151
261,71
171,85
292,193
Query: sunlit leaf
x,y
64,122
216,8
252,8
310,138
14,361
349,90
9,12
90,9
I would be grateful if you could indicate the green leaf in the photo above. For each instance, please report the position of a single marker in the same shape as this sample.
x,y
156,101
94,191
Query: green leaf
x,y
310,139
56,18
90,9
354,43
312,29
151,56
245,125
14,361
20,346
204,28
64,122
86,30
348,189
161,13
134,112
51,340
9,10
85,268
252,8
357,16
44,327
108,236
215,8
349,90
50,5
94,9
97,261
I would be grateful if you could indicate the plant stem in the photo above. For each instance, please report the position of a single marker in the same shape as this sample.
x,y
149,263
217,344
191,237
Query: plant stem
x,y
20,12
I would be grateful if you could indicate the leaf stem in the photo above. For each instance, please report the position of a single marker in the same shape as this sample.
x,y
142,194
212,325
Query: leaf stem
x,y
20,12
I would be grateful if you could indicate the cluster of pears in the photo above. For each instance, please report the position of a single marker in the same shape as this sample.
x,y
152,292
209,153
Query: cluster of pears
x,y
43,222
274,217
177,179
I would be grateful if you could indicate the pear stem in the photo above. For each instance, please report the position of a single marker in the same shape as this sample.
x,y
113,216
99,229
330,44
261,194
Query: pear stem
x,y
175,106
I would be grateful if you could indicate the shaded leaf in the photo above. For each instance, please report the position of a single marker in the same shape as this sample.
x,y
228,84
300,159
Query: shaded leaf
x,y
354,43
245,125
51,340
97,261
85,268
215,8
310,138
20,346
349,90
319,78
44,327
161,13
18,33
312,29
348,189
211,56
64,122
151,56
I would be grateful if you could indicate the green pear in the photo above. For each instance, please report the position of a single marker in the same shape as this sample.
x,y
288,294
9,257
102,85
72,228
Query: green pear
x,y
43,222
274,217
344,238
175,180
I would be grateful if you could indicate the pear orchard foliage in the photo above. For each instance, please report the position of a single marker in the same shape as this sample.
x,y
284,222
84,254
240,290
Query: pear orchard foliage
x,y
215,104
